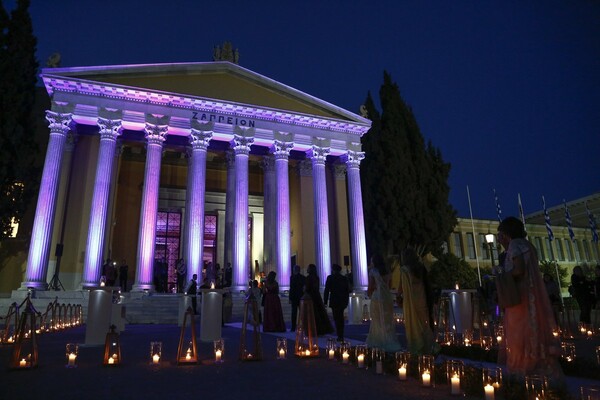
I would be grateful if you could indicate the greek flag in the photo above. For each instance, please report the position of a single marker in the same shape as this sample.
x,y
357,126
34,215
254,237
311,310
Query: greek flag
x,y
521,213
569,221
593,226
547,219
498,209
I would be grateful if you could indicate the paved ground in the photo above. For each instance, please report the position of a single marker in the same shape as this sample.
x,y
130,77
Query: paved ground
x,y
293,378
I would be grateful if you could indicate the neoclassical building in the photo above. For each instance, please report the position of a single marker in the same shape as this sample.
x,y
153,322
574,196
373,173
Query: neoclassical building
x,y
209,162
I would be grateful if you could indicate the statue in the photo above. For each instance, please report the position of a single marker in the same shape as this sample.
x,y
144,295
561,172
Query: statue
x,y
363,111
53,61
226,53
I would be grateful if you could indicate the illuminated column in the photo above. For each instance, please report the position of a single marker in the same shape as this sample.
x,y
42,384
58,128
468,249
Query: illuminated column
x,y
229,207
270,214
109,131
281,150
155,135
241,148
200,137
41,235
358,247
322,252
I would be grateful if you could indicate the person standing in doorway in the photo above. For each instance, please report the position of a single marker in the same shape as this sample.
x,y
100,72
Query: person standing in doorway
x,y
123,272
297,281
337,292
192,290
181,273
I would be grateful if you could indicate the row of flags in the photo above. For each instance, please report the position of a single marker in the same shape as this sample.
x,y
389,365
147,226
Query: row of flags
x,y
569,221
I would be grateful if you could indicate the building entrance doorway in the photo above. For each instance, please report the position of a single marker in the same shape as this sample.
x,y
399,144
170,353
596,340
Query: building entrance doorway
x,y
166,251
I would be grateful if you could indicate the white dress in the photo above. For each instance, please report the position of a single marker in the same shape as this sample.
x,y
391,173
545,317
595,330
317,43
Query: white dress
x,y
382,332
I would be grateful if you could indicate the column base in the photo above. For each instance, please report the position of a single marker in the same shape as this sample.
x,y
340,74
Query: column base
x,y
142,287
33,285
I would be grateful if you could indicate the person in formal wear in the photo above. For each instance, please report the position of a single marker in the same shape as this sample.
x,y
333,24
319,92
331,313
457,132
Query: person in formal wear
x,y
382,331
413,289
273,318
311,288
337,292
123,274
297,281
181,270
531,347
191,290
583,293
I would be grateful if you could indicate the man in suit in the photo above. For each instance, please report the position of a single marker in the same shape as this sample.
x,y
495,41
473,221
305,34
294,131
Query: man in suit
x,y
297,281
337,292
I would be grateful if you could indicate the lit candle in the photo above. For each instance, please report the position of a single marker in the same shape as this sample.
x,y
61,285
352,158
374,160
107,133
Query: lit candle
x,y
22,363
331,354
188,356
71,361
426,378
218,355
249,355
402,372
589,333
361,360
111,360
212,285
499,339
102,283
281,353
379,367
489,392
455,384
307,352
155,359
456,286
345,357
467,343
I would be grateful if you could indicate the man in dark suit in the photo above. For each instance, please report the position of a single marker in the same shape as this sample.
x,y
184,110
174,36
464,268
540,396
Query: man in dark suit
x,y
297,281
337,291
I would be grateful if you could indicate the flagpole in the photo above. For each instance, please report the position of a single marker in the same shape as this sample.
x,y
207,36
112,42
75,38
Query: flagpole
x,y
474,237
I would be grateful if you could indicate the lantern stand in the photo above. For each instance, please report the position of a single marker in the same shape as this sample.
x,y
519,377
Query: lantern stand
x,y
306,331
25,339
13,313
112,348
187,355
250,307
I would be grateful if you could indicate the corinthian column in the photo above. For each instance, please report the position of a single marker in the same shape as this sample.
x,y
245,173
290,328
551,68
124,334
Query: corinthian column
x,y
41,235
281,150
229,207
109,132
199,139
270,214
241,148
358,246
155,135
323,254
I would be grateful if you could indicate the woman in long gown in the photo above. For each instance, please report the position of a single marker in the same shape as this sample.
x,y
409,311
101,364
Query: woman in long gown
x,y
382,332
273,321
530,345
311,288
413,284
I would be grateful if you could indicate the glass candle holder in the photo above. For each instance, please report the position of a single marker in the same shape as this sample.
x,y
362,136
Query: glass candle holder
x,y
219,349
568,351
598,354
454,375
377,358
467,339
345,352
402,361
155,352
486,342
72,350
536,386
361,355
330,348
189,352
590,392
281,348
448,338
499,335
426,370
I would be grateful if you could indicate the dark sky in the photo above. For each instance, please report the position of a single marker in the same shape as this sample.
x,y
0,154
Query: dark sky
x,y
508,90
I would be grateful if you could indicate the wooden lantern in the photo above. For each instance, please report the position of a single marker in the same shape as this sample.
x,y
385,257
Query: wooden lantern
x,y
251,316
306,331
187,351
25,350
112,348
9,335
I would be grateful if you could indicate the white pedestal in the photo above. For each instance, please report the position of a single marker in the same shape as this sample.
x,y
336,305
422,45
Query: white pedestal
x,y
99,315
461,309
355,308
211,314
117,317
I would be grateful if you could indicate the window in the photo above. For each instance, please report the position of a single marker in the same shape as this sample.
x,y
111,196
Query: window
x,y
540,248
548,247
586,250
577,250
470,246
559,250
485,248
456,245
569,250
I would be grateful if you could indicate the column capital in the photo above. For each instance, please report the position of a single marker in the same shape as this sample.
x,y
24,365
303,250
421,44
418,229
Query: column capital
x,y
318,154
281,149
110,129
156,134
241,144
199,139
268,164
353,158
58,122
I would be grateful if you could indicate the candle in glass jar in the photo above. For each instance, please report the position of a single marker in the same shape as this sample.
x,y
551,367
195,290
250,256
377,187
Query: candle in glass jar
x,y
361,360
281,353
22,363
218,355
455,384
331,354
111,360
71,361
402,373
489,392
345,357
155,359
307,353
426,378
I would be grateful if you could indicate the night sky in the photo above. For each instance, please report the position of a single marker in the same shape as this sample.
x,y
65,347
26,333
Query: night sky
x,y
508,90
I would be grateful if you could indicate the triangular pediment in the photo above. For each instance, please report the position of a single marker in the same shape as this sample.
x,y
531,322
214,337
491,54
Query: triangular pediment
x,y
212,80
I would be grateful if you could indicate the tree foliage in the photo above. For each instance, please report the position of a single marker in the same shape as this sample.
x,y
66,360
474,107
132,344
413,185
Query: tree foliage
x,y
18,150
404,180
448,270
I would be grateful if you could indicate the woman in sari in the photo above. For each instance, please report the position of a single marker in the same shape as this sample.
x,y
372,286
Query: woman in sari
x,y
530,345
413,288
273,321
382,332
